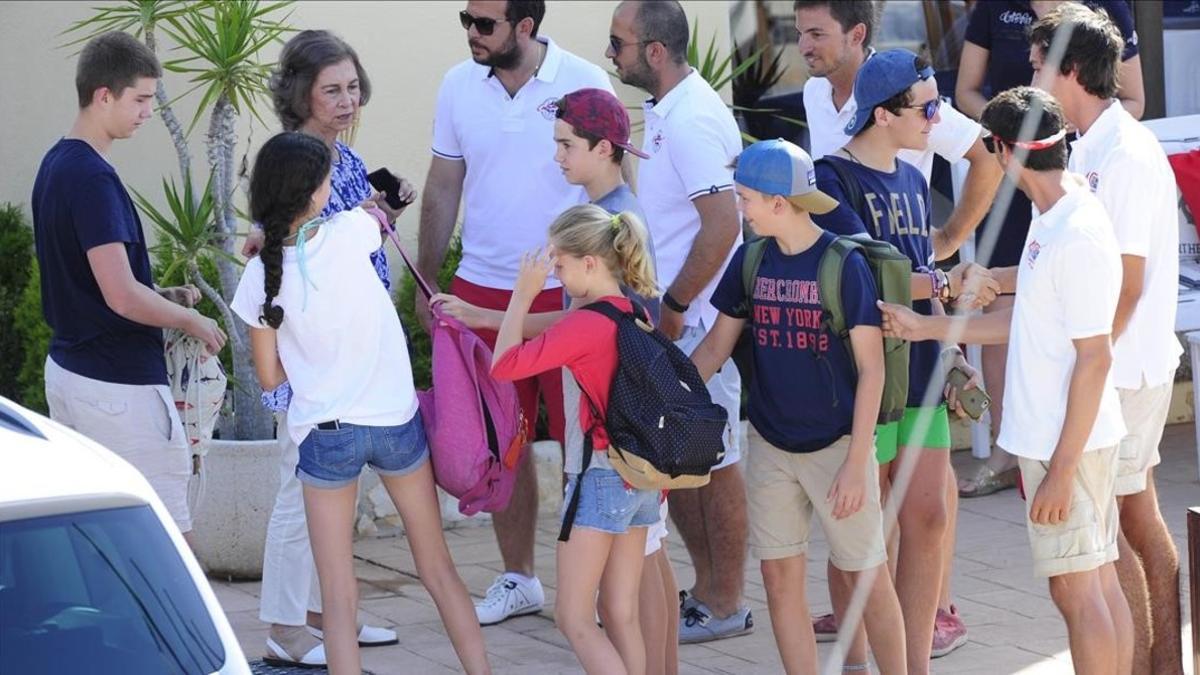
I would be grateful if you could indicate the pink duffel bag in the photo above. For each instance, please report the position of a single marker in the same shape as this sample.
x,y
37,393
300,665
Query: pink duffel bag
x,y
474,424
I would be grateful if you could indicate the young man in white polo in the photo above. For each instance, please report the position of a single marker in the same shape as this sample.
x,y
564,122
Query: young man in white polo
x,y
686,191
493,148
1063,418
1128,171
835,40
106,376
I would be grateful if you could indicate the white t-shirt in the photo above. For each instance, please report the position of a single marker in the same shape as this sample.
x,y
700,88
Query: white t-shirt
x,y
692,140
343,348
1068,281
513,188
1127,169
951,137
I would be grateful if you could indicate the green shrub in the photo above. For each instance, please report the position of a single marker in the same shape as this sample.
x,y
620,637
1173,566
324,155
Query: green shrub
x,y
419,347
16,260
34,334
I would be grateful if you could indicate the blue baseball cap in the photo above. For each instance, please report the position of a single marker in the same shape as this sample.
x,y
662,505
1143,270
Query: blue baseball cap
x,y
781,168
883,76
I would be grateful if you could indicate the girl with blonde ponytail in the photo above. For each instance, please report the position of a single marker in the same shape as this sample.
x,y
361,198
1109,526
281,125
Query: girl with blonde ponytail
x,y
593,254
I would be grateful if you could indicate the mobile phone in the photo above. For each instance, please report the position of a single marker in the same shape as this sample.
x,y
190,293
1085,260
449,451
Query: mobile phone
x,y
387,183
974,401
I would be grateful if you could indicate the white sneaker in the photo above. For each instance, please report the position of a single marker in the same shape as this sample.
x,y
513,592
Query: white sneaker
x,y
510,595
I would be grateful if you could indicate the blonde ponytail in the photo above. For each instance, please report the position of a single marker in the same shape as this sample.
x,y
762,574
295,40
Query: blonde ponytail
x,y
619,240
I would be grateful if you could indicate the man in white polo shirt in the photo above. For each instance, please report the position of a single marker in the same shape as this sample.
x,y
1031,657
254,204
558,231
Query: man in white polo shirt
x,y
686,191
493,147
1063,419
1126,168
835,40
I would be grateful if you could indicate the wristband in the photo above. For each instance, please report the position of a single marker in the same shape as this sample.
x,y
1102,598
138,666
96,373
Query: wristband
x,y
673,304
943,288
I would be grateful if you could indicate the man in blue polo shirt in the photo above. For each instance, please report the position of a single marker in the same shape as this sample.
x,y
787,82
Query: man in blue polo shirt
x,y
106,376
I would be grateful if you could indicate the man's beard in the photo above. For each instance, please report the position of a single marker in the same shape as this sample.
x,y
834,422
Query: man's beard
x,y
506,58
640,75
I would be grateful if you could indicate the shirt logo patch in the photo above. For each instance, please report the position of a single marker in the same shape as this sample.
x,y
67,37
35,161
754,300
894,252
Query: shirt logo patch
x,y
1031,254
1093,180
657,141
1016,18
549,108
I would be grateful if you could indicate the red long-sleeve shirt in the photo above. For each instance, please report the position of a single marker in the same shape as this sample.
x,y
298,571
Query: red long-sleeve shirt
x,y
583,342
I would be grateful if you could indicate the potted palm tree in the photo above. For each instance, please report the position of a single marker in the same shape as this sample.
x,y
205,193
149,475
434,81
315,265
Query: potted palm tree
x,y
220,46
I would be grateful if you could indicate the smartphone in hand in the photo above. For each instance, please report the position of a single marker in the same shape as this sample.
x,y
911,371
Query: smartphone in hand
x,y
387,183
974,401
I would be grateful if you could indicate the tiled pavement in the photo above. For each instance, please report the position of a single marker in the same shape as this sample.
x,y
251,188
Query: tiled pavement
x,y
1013,626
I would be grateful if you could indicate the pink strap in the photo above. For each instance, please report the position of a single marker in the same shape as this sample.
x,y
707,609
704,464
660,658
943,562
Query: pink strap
x,y
421,283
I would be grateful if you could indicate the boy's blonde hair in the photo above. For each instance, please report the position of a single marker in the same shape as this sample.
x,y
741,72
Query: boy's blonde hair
x,y
619,240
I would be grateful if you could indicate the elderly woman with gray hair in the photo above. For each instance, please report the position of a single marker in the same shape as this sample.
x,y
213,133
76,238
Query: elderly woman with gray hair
x,y
318,87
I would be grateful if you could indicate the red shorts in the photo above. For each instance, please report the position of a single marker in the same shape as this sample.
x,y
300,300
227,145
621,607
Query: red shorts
x,y
549,383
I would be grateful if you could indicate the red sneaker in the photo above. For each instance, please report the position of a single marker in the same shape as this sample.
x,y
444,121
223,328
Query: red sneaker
x,y
826,627
949,632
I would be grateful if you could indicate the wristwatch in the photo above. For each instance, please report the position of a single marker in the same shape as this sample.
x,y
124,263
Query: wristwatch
x,y
674,305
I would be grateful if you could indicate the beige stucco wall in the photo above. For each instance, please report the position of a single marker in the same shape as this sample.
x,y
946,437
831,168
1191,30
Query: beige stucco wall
x,y
405,46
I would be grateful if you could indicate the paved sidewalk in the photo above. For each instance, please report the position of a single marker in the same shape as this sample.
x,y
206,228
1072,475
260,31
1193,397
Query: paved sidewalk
x,y
1014,628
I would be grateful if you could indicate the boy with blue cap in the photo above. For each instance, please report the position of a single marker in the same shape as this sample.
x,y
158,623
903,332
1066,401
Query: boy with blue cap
x,y
888,199
812,405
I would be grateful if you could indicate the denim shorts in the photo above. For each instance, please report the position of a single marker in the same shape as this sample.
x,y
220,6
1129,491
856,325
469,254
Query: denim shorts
x,y
606,504
333,458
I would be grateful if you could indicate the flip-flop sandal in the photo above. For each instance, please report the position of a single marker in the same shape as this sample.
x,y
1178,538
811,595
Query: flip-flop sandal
x,y
368,636
988,481
278,656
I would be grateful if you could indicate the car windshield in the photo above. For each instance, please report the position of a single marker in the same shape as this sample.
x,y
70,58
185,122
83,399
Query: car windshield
x,y
100,592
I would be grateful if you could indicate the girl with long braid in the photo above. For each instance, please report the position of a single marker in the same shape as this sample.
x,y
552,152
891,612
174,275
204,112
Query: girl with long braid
x,y
320,319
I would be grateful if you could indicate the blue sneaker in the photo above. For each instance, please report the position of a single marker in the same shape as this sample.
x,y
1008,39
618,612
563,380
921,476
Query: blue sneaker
x,y
697,623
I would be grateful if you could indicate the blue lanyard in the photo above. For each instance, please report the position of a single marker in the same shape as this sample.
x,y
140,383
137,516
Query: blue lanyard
x,y
302,258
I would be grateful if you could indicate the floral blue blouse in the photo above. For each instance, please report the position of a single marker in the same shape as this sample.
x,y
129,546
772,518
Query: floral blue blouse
x,y
350,187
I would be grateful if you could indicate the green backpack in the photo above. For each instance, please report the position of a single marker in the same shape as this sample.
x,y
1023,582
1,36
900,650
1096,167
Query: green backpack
x,y
893,273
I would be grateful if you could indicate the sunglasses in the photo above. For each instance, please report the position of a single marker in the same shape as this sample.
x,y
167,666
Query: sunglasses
x,y
484,25
991,142
929,109
616,44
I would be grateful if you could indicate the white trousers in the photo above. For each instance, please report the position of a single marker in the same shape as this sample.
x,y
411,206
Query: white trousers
x,y
289,581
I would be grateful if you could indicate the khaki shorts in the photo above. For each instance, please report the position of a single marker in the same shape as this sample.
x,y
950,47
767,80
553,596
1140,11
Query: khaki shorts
x,y
1088,538
137,422
1145,412
784,489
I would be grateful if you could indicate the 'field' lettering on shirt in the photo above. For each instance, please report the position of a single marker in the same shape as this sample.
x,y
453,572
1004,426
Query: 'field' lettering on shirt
x,y
896,209
785,327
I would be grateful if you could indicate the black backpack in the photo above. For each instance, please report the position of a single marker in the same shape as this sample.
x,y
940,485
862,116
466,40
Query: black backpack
x,y
664,431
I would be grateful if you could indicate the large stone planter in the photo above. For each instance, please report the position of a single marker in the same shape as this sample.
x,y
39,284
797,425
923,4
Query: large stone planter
x,y
230,522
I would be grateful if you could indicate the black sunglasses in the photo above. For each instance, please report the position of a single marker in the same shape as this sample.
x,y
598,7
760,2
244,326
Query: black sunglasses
x,y
484,25
929,109
989,142
616,44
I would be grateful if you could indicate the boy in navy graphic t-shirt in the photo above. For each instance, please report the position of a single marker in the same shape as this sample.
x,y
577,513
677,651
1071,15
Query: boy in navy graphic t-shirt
x,y
812,406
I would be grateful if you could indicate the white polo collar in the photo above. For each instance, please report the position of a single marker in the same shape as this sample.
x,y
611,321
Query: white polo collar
x,y
1102,129
678,92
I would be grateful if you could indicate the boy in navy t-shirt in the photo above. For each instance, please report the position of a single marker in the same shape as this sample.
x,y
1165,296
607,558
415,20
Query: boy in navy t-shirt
x,y
812,405
106,376
888,200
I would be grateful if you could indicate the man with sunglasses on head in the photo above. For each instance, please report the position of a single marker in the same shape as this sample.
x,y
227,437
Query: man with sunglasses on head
x,y
886,198
1127,170
493,148
686,191
835,39
1064,420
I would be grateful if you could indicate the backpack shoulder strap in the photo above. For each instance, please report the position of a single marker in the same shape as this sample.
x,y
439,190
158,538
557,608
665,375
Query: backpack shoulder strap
x,y
607,309
850,185
751,261
829,281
